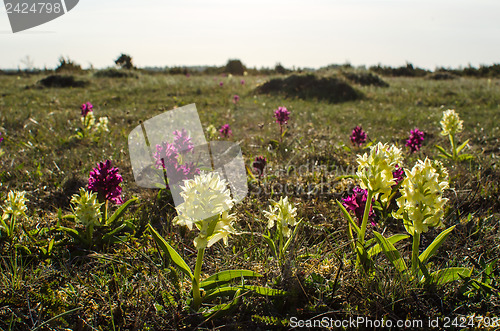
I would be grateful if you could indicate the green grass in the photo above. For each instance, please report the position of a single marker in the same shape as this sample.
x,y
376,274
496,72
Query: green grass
x,y
129,286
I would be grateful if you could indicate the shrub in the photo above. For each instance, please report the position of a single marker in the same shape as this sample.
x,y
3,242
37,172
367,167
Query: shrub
x,y
114,73
124,61
365,79
67,65
408,71
235,67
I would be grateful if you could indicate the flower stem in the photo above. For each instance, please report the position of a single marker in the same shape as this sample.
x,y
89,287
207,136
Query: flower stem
x,y
368,205
196,280
453,148
414,252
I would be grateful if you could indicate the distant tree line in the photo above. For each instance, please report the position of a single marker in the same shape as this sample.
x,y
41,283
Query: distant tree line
x,y
236,68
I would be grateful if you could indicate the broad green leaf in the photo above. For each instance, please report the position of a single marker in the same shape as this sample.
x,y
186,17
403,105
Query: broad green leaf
x,y
226,276
349,218
434,246
391,252
445,153
447,275
119,212
171,253
261,290
459,149
376,249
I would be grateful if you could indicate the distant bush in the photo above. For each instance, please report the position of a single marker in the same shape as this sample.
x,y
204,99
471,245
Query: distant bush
x,y
67,65
124,61
279,69
178,71
235,67
408,71
482,71
365,78
115,73
61,81
331,89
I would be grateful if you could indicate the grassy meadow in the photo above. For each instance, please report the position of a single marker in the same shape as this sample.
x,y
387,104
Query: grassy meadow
x,y
49,281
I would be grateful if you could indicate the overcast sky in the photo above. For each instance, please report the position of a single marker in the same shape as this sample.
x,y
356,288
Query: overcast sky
x,y
313,33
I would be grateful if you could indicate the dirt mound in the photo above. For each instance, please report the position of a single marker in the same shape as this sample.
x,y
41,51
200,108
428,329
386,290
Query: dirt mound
x,y
61,81
331,89
365,79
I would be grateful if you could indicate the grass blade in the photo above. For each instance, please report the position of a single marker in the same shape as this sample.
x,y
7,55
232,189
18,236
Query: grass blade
x,y
349,218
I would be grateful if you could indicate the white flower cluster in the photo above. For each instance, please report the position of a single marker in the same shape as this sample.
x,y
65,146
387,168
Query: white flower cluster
x,y
375,169
451,123
206,202
421,204
102,125
86,208
212,132
15,205
89,122
284,214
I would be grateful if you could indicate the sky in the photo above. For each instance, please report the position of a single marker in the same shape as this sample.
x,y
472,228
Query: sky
x,y
313,33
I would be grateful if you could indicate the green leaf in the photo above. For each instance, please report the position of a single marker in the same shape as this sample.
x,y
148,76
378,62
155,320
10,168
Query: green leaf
x,y
226,276
376,249
261,290
349,218
171,253
391,252
445,153
447,275
485,287
73,233
434,246
220,292
271,244
289,241
119,212
423,272
464,157
250,172
225,308
111,234
459,149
